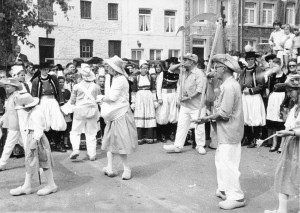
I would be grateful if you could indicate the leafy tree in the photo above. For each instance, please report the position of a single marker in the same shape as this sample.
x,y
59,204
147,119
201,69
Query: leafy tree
x,y
18,16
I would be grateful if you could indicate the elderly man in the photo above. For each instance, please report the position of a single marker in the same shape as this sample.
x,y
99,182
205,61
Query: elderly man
x,y
17,58
229,128
194,80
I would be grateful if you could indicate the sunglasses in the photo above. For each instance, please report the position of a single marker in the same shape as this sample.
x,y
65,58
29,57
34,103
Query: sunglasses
x,y
292,65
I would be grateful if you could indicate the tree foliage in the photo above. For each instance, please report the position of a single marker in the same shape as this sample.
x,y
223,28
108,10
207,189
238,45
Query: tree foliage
x,y
18,16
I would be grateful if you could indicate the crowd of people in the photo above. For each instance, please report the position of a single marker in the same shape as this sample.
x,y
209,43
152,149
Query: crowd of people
x,y
121,104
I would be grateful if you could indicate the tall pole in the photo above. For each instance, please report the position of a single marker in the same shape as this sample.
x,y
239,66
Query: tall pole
x,y
203,93
181,70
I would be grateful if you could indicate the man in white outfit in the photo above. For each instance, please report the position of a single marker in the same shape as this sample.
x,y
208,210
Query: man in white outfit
x,y
194,80
86,113
229,128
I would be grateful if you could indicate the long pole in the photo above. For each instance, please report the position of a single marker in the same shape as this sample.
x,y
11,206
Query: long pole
x,y
181,70
203,94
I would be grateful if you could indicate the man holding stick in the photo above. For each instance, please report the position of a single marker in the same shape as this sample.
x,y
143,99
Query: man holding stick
x,y
193,80
229,128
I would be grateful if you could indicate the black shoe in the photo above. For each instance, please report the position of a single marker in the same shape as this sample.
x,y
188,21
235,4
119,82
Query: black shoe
x,y
252,144
163,138
60,148
279,151
172,137
245,142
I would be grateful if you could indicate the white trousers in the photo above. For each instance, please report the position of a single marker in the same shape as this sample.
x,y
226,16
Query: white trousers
x,y
13,137
23,118
227,162
90,128
183,126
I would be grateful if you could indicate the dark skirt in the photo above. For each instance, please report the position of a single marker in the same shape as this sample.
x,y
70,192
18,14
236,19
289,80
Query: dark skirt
x,y
275,125
147,135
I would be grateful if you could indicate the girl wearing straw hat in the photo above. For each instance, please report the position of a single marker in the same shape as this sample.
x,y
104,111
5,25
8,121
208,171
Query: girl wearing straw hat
x,y
120,135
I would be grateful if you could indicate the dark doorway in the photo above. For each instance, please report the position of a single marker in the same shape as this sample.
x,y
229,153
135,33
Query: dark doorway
x,y
114,48
46,48
199,51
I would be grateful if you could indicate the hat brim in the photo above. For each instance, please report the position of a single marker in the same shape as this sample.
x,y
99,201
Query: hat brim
x,y
4,82
270,57
228,62
32,104
116,68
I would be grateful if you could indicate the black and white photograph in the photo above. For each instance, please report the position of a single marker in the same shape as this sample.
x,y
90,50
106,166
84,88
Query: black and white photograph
x,y
163,106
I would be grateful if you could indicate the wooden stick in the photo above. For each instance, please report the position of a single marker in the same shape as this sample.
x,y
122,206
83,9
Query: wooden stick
x,y
203,94
181,70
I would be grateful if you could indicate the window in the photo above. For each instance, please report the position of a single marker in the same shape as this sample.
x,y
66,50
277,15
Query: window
x,y
268,14
86,48
136,54
45,10
198,6
173,53
252,43
144,20
169,21
155,54
250,13
112,11
114,48
85,8
290,13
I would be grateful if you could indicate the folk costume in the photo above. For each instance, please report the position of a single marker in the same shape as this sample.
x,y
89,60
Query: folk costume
x,y
143,98
47,90
37,151
10,120
86,113
167,112
120,135
252,78
274,120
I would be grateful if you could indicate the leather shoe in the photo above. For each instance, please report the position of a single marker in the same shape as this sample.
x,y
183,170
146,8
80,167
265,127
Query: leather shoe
x,y
20,191
47,190
231,204
245,141
252,145
2,168
273,149
126,174
59,148
221,194
74,154
108,173
171,148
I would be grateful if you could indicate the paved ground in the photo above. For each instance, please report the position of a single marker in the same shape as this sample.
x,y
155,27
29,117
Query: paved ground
x,y
181,182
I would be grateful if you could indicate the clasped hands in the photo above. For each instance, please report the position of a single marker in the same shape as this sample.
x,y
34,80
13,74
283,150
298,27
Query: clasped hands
x,y
201,120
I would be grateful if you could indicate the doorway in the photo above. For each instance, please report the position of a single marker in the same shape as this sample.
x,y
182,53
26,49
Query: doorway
x,y
46,48
199,51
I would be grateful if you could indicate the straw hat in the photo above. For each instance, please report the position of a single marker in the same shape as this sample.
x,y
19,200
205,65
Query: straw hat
x,y
86,72
117,64
228,61
11,81
25,100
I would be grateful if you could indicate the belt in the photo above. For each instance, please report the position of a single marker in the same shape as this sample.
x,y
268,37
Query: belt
x,y
47,97
144,88
168,91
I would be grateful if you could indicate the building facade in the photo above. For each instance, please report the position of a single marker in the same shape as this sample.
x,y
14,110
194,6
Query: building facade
x,y
258,17
131,29
201,35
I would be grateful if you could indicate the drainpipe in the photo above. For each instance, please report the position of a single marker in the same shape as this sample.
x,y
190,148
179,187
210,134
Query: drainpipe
x,y
241,20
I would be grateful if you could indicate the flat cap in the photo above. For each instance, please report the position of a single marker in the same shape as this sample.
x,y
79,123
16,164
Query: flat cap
x,y
228,61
